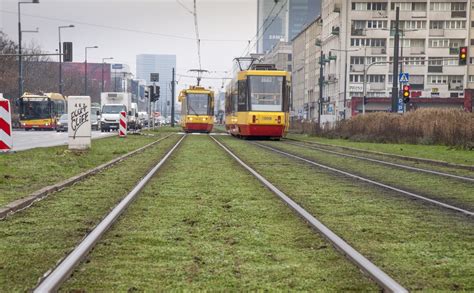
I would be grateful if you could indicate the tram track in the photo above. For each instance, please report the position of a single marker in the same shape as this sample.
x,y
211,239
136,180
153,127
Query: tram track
x,y
394,156
61,272
29,200
367,180
382,162
375,273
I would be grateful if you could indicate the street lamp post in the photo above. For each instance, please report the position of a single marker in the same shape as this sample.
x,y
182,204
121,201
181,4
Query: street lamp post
x,y
61,57
85,72
20,59
103,63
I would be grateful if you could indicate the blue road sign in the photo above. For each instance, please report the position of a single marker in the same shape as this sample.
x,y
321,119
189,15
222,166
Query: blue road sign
x,y
404,77
400,105
117,66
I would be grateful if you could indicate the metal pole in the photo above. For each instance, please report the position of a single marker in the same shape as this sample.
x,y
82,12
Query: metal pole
x,y
60,64
364,82
85,76
172,97
103,63
154,104
321,80
395,62
345,88
20,59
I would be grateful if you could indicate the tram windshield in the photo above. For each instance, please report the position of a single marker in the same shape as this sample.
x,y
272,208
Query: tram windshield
x,y
266,93
35,109
198,104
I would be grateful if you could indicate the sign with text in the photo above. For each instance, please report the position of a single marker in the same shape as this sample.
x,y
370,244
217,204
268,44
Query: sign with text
x,y
79,122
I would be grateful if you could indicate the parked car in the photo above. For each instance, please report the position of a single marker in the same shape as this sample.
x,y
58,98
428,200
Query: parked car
x,y
62,123
95,120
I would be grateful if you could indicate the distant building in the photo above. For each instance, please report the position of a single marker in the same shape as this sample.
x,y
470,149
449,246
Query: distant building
x,y
163,65
282,20
280,55
120,77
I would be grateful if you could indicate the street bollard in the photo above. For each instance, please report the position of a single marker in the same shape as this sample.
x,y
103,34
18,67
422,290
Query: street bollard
x,y
123,124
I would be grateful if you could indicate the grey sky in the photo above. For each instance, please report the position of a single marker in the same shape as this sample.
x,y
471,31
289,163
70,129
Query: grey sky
x,y
99,23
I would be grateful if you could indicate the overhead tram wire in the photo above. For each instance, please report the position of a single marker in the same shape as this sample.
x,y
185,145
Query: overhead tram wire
x,y
120,28
184,6
196,27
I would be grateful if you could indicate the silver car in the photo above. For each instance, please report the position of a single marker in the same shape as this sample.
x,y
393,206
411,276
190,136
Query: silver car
x,y
62,123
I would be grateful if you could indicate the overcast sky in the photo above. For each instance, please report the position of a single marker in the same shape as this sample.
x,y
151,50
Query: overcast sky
x,y
124,28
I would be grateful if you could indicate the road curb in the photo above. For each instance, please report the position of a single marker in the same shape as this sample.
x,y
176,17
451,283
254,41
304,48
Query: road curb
x,y
25,202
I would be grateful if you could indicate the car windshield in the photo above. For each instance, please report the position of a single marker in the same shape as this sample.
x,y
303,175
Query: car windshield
x,y
266,93
113,109
63,118
35,109
198,104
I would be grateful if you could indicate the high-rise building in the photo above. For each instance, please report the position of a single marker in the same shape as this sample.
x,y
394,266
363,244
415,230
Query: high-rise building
x,y
282,20
163,65
359,35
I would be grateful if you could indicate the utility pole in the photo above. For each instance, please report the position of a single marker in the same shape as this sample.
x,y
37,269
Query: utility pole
x,y
321,84
172,97
396,45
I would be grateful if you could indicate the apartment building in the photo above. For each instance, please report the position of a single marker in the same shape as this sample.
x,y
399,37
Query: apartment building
x,y
305,73
360,34
280,55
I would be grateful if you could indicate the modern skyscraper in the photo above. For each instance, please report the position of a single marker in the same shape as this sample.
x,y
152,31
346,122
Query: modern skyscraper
x,y
163,65
282,20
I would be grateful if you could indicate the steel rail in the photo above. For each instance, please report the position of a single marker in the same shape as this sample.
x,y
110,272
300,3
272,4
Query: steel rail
x,y
375,273
407,158
63,270
385,162
411,194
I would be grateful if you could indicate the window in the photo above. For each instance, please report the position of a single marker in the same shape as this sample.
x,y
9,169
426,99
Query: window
x,y
442,6
357,60
458,6
376,24
436,24
403,6
266,93
437,79
439,43
471,78
419,6
455,24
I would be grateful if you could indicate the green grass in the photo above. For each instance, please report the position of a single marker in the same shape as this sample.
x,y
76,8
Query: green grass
x,y
456,192
421,246
204,223
432,152
165,129
32,241
24,172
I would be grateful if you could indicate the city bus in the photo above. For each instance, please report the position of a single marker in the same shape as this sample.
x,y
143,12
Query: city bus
x,y
41,111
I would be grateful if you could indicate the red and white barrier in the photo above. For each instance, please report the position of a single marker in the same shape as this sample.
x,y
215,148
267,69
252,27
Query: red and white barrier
x,y
6,140
123,124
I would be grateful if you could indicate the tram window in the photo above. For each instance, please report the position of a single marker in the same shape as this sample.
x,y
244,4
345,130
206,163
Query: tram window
x,y
242,95
198,104
266,93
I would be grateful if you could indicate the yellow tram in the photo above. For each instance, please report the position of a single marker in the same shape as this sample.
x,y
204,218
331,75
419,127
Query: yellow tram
x,y
197,109
257,102
41,111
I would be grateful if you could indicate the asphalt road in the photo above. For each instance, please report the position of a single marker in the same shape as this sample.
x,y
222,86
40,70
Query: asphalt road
x,y
25,140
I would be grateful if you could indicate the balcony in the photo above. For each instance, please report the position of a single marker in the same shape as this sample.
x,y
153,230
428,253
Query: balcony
x,y
455,87
436,32
458,14
417,51
358,32
379,14
357,68
453,51
435,69
418,14
337,7
378,50
377,86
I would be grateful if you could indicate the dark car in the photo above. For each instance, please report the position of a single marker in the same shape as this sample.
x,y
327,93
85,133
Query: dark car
x,y
62,123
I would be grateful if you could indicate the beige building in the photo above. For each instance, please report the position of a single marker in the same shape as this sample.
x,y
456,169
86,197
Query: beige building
x,y
280,55
358,33
305,74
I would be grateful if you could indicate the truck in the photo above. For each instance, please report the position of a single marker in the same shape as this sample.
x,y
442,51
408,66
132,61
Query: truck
x,y
112,104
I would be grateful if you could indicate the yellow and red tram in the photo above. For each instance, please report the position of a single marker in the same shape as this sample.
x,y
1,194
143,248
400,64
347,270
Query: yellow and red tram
x,y
197,109
257,102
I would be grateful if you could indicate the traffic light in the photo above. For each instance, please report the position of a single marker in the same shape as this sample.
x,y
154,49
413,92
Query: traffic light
x,y
156,95
67,51
406,93
147,94
463,56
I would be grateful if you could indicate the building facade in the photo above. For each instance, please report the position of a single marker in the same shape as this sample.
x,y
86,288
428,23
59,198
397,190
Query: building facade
x,y
281,20
163,65
358,36
305,73
281,56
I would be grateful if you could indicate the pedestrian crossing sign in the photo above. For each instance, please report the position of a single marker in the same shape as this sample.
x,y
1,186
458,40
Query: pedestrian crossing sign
x,y
404,77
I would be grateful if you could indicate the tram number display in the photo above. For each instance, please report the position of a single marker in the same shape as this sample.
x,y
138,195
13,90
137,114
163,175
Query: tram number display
x,y
267,79
266,118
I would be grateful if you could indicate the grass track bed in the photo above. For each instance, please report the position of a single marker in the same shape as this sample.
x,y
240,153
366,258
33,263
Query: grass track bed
x,y
449,190
24,172
32,241
431,152
205,223
421,246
